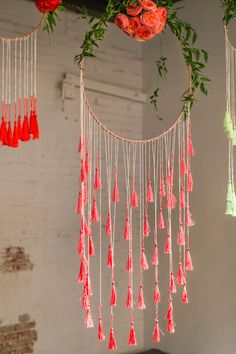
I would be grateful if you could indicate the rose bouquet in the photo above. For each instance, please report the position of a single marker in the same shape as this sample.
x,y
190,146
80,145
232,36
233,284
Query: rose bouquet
x,y
143,21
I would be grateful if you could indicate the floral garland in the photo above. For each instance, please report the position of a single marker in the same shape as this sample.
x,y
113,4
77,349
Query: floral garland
x,y
195,59
51,8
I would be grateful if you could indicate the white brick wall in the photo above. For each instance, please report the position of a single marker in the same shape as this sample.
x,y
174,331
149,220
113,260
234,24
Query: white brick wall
x,y
39,186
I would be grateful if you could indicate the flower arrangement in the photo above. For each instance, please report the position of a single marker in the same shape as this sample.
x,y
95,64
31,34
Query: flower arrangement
x,y
142,21
50,7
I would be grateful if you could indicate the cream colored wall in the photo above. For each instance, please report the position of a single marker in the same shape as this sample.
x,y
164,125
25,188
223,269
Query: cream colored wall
x,y
208,324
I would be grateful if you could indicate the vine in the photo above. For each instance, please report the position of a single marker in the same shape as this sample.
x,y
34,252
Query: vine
x,y
229,7
195,59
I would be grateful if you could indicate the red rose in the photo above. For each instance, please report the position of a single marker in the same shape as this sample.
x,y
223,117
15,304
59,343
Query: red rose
x,y
134,24
122,21
148,5
144,33
133,10
150,18
47,5
159,27
162,13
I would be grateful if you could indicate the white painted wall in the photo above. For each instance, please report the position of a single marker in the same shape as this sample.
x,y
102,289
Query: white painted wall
x,y
207,325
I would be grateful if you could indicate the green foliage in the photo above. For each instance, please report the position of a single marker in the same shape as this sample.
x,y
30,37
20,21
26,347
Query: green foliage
x,y
52,17
229,7
195,59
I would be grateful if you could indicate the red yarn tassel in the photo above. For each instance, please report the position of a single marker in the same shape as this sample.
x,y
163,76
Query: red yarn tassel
x,y
115,196
181,236
188,261
132,336
85,192
169,315
146,228
157,294
112,342
91,246
190,181
182,198
101,336
19,127
15,141
34,127
25,133
169,179
95,215
113,300
97,182
134,197
180,275
87,163
127,233
81,145
129,265
85,301
4,135
189,219
161,224
88,319
83,269
141,303
171,327
81,244
191,151
108,225
167,249
129,300
185,295
183,169
171,201
172,284
162,188
88,285
9,134
150,196
156,333
83,174
79,207
155,261
84,227
110,262
143,261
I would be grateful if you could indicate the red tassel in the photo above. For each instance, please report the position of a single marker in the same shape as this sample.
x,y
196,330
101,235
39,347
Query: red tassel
x,y
180,275
4,135
9,134
141,303
84,227
167,249
97,182
108,225
169,179
182,198
15,141
189,219
161,224
91,246
129,300
190,181
88,319
95,215
112,342
181,236
129,265
162,188
110,262
157,294
19,127
85,302
146,228
185,295
172,284
88,285
115,196
143,261
171,327
87,163
155,256
85,192
191,151
83,269
81,244
171,201
83,174
101,336
25,133
188,261
81,145
150,197
113,300
183,169
79,207
132,336
127,233
156,333
33,126
134,197
169,315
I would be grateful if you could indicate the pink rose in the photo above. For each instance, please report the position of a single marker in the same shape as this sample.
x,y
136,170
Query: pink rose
x,y
162,13
133,10
134,24
144,33
150,18
122,21
148,5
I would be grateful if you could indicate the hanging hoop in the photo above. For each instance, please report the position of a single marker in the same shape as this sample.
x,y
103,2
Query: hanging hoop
x,y
26,35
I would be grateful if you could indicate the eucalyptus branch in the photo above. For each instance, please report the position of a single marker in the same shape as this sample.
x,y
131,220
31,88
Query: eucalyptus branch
x,y
229,7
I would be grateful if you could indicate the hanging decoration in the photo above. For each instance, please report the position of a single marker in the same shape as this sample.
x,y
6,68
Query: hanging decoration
x,y
230,114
